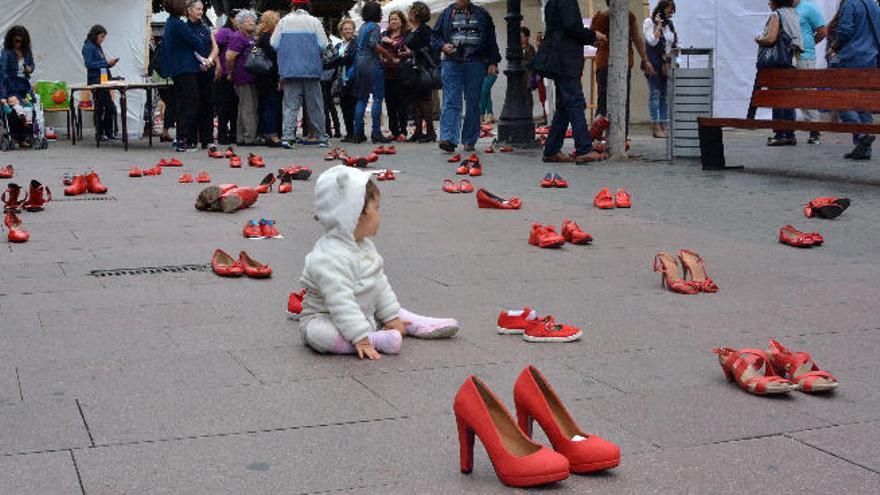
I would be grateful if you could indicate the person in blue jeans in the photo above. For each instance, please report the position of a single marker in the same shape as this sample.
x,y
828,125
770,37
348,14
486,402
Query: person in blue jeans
x,y
465,33
854,37
366,75
567,37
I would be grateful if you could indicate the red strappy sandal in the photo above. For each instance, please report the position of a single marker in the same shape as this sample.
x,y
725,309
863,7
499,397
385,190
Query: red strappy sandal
x,y
800,368
692,264
664,263
753,371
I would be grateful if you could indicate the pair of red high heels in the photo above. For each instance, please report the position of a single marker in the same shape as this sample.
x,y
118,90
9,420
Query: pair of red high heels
x,y
517,459
692,264
284,178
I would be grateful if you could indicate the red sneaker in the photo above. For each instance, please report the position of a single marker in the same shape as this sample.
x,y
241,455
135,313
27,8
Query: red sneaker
x,y
603,200
267,227
235,161
252,267
572,233
513,322
252,230
226,266
185,179
295,304
622,199
559,182
547,181
545,237
37,197
255,161
93,183
7,172
77,186
454,158
203,178
135,172
547,330
485,199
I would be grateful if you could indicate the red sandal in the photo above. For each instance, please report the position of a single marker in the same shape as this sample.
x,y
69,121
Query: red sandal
x,y
800,368
664,263
753,371
692,264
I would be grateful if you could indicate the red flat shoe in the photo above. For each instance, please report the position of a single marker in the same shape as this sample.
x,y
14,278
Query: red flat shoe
x,y
518,461
391,150
476,169
793,237
485,199
465,186
514,322
225,266
185,179
235,161
548,330
559,182
665,264
93,184
286,183
463,169
603,200
451,187
7,172
547,181
17,234
266,184
299,173
135,172
829,207
692,264
77,186
800,368
454,158
203,178
572,233
295,304
174,162
253,268
253,230
255,161
817,238
37,197
545,237
267,227
379,150
536,400
157,170
214,152
331,155
12,199
622,199
230,152
387,174
372,158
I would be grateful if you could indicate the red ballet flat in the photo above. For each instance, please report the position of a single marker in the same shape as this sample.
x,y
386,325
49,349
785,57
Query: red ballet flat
x,y
135,172
622,199
203,178
454,158
466,186
252,267
225,266
485,199
451,187
185,178
793,237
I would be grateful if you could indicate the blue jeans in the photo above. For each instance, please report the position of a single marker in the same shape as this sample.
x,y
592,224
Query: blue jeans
x,y
657,105
268,109
784,114
360,108
461,79
858,118
570,107
486,94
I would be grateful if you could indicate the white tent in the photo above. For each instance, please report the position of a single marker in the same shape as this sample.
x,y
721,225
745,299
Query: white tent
x,y
729,27
58,29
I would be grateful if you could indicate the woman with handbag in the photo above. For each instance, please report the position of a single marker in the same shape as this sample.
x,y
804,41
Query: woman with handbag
x,y
269,104
395,94
240,46
660,39
417,48
777,47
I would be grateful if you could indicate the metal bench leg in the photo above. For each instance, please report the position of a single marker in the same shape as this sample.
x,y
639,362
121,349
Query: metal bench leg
x,y
712,149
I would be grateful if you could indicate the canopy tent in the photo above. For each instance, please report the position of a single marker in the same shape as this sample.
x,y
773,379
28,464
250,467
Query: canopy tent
x,y
729,27
58,29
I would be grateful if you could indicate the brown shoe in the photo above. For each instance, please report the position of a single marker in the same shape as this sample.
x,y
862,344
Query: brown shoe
x,y
557,158
593,156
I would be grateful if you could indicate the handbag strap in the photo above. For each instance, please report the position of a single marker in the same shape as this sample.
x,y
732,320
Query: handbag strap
x,y
367,27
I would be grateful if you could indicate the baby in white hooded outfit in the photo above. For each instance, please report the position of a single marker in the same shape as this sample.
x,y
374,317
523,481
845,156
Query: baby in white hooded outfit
x,y
349,306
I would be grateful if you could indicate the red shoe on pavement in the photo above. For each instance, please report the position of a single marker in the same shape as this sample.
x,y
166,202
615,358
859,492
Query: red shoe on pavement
x,y
252,267
485,199
622,199
286,185
235,161
37,197
255,161
266,184
451,187
513,322
572,233
230,152
12,199
185,179
379,150
93,184
214,152
829,207
135,172
465,186
157,170
77,186
454,158
392,150
372,158
238,198
547,330
476,168
16,234
174,162
545,236
203,178
267,227
559,182
463,169
793,237
7,172
387,174
253,230
547,181
226,266
603,200
295,304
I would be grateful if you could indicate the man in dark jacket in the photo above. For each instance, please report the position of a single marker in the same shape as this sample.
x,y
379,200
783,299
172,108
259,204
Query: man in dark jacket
x,y
465,34
566,37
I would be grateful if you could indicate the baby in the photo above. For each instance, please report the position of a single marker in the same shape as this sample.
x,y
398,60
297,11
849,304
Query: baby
x,y
349,306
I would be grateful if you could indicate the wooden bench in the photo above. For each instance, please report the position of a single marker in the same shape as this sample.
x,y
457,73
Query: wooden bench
x,y
825,89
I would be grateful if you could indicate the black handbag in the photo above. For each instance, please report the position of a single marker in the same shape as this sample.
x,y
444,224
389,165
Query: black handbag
x,y
424,75
778,54
547,58
257,62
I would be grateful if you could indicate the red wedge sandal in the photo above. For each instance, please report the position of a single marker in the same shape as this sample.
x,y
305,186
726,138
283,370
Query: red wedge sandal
x,y
753,371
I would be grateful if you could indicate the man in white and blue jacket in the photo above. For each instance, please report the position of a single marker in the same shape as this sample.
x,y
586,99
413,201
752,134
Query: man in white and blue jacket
x,y
299,40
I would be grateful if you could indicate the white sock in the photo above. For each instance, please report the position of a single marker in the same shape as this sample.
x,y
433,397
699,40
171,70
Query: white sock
x,y
578,438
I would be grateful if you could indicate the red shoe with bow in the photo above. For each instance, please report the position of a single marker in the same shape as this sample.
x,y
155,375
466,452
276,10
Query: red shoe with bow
x,y
252,267
665,264
793,237
692,264
536,400
518,461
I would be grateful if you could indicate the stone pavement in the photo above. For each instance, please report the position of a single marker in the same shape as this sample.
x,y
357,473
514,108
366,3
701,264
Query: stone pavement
x,y
184,383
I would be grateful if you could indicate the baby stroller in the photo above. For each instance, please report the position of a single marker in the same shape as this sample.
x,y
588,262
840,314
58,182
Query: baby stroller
x,y
22,116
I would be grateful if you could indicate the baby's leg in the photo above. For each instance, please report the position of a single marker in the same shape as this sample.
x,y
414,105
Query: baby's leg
x,y
321,334
425,327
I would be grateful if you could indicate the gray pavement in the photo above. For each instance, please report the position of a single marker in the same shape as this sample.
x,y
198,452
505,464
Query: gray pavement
x,y
176,383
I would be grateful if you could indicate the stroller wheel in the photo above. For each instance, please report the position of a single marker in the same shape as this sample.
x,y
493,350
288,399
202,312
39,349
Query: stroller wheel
x,y
6,143
41,144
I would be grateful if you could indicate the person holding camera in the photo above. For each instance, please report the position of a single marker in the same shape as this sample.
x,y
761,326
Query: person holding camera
x,y
660,39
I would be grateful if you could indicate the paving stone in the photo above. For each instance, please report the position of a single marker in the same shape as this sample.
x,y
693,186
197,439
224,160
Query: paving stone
x,y
41,426
857,443
50,473
9,393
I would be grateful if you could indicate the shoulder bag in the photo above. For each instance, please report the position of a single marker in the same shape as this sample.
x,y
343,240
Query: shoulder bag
x,y
777,55
346,76
425,75
257,62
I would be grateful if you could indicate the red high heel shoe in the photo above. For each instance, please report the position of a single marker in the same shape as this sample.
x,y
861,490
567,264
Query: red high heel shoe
x,y
38,196
666,264
692,263
266,184
93,184
13,224
800,368
535,399
518,461
11,198
286,183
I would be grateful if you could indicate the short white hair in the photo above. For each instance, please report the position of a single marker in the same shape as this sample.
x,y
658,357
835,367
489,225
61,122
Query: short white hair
x,y
245,15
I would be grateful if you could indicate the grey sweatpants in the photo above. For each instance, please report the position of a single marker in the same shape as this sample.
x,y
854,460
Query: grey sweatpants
x,y
294,92
809,115
319,332
246,125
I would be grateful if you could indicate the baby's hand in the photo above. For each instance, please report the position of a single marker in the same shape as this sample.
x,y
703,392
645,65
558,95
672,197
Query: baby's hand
x,y
366,349
397,324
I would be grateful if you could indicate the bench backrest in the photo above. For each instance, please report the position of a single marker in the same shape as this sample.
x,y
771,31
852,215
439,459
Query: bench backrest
x,y
825,89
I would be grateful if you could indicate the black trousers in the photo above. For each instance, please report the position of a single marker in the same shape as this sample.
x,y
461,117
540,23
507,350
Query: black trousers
x,y
602,89
330,112
226,107
195,115
104,114
348,103
396,103
169,97
423,112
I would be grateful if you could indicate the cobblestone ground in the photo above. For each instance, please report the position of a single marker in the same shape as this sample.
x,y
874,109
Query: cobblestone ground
x,y
184,383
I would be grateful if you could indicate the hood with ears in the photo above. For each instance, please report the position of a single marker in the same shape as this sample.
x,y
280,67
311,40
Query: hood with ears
x,y
339,199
